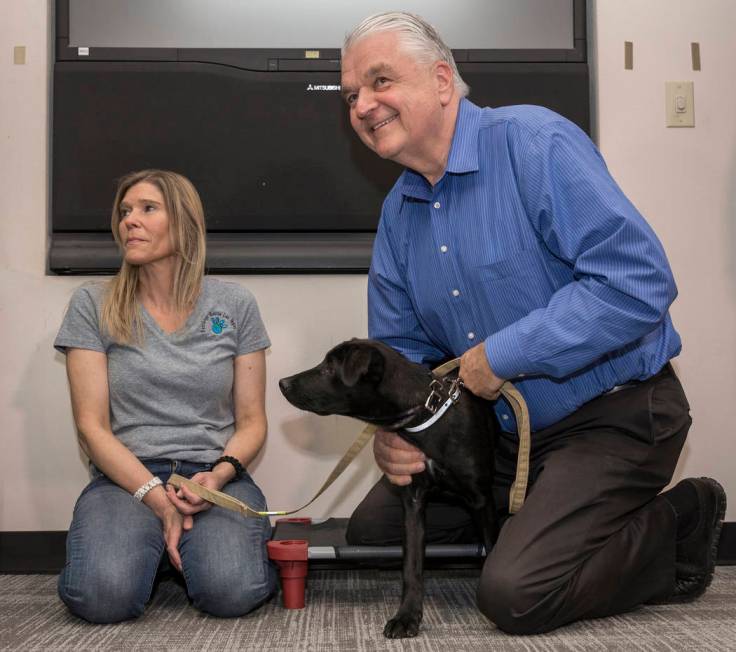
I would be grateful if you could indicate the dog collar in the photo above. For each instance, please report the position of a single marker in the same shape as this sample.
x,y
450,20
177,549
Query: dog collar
x,y
433,400
395,422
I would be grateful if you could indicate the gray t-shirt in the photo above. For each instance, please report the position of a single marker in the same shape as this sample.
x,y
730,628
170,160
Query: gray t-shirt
x,y
172,397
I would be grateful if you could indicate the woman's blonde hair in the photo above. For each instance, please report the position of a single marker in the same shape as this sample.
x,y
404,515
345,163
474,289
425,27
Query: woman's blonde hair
x,y
121,315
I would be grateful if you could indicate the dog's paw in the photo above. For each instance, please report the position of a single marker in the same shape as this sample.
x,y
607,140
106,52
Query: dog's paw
x,y
402,626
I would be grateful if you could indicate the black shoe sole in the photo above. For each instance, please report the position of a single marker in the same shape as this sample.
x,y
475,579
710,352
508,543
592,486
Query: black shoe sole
x,y
717,526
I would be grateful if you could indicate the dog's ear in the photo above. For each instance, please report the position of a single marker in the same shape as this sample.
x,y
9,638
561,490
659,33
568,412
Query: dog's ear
x,y
364,363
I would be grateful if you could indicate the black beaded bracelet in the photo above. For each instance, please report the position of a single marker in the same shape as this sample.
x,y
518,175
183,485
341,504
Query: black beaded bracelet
x,y
239,470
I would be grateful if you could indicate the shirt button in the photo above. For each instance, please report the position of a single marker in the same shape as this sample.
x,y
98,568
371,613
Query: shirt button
x,y
471,335
505,417
443,249
456,293
437,204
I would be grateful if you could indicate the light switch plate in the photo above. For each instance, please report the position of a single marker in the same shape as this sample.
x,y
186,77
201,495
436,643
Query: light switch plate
x,y
679,104
19,55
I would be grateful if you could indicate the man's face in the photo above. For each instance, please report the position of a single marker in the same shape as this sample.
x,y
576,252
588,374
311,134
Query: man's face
x,y
395,102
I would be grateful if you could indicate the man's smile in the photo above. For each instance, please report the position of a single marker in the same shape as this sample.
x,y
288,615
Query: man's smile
x,y
383,123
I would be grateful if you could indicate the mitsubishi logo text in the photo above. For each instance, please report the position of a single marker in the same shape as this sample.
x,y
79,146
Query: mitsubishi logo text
x,y
323,87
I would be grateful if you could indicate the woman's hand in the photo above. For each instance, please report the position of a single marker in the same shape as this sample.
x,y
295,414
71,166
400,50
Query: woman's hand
x,y
396,457
174,524
188,503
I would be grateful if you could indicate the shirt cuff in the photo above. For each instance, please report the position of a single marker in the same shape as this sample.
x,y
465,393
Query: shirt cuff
x,y
504,354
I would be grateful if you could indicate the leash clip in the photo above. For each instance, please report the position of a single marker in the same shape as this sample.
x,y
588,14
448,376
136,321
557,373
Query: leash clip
x,y
455,387
434,400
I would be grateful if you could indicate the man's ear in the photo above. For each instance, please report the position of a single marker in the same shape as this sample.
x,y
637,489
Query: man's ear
x,y
364,363
445,80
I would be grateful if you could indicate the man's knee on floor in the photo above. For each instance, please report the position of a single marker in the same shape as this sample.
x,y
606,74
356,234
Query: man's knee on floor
x,y
509,602
357,529
366,527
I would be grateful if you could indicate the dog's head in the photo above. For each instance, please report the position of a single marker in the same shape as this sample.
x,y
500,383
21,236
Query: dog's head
x,y
353,380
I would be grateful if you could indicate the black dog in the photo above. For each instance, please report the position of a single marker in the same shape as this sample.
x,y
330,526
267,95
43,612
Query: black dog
x,y
370,381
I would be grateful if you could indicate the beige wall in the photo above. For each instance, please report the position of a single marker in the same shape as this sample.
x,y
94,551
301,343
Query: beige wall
x,y
683,180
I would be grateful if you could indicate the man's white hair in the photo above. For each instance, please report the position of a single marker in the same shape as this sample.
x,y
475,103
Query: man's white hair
x,y
416,36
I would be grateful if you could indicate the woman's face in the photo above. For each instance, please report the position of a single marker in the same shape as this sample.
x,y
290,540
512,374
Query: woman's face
x,y
144,225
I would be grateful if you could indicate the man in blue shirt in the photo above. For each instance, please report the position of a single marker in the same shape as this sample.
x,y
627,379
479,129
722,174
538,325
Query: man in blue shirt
x,y
505,241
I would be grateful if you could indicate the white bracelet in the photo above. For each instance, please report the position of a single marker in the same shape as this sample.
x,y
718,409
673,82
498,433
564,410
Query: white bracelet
x,y
153,482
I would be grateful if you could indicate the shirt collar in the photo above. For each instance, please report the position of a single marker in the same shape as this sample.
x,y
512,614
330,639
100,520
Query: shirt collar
x,y
463,155
464,149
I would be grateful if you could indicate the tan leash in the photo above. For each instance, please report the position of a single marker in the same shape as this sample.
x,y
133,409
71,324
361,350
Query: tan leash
x,y
516,495
228,502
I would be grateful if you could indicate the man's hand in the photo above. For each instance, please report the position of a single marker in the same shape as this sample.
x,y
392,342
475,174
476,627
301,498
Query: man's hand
x,y
396,457
476,374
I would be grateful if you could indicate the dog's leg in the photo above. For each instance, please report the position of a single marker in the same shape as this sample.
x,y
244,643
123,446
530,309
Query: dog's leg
x,y
486,521
406,621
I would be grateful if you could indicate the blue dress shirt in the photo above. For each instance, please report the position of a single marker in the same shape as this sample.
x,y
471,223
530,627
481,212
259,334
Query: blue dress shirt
x,y
528,244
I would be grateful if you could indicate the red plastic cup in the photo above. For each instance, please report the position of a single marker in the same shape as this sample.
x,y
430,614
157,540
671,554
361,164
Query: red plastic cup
x,y
291,556
305,520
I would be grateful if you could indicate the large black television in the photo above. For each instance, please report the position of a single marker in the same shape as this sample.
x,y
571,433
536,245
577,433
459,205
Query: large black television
x,y
262,131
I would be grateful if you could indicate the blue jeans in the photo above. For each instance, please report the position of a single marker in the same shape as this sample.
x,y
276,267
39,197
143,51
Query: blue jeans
x,y
115,545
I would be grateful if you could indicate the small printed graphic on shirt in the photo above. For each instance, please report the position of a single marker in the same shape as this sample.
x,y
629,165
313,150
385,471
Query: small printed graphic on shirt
x,y
217,323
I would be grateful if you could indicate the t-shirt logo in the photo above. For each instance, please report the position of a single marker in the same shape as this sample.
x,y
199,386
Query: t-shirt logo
x,y
216,323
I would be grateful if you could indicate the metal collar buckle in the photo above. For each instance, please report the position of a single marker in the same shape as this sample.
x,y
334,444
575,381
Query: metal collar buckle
x,y
434,400
435,404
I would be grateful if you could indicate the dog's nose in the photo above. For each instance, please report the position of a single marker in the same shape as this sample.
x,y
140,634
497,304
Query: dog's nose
x,y
284,384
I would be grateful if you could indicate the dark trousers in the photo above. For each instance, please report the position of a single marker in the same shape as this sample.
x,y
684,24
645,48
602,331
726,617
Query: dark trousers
x,y
593,537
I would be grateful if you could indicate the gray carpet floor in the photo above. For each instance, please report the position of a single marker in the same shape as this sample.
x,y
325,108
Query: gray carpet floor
x,y
346,610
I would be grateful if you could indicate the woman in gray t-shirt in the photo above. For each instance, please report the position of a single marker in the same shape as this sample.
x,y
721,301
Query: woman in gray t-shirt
x,y
167,374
